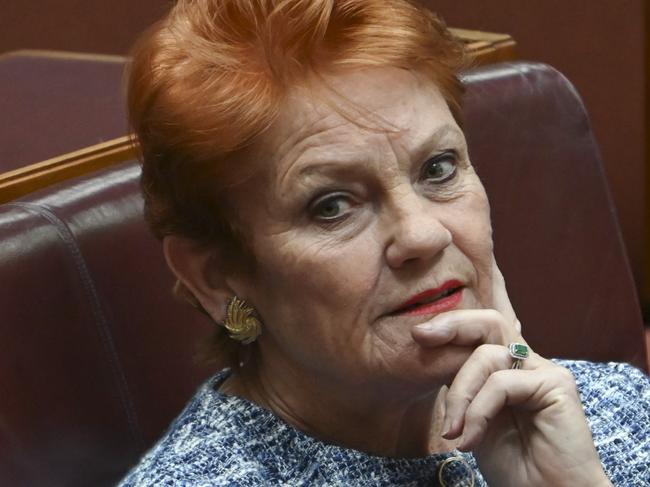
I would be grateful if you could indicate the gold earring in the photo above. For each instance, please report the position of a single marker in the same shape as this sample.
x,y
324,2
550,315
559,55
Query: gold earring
x,y
240,322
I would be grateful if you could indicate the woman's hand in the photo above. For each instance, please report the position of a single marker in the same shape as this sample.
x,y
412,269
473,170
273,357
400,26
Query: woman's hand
x,y
525,426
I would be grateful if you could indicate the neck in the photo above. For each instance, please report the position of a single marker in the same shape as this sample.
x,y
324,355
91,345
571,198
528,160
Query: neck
x,y
377,422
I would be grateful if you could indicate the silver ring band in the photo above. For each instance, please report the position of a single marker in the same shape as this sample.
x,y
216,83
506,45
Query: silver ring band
x,y
519,352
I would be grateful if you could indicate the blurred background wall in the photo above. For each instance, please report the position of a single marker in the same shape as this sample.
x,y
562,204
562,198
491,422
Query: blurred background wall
x,y
598,44
100,26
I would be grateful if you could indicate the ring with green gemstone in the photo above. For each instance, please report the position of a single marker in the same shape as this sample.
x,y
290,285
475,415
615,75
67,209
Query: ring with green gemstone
x,y
519,352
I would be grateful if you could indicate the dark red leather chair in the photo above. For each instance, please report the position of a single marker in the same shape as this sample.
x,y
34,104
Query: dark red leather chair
x,y
96,358
555,229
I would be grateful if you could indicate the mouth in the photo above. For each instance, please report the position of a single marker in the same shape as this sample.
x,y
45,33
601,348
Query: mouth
x,y
443,298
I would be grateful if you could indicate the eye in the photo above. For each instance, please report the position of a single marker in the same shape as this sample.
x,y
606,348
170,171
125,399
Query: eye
x,y
331,207
440,168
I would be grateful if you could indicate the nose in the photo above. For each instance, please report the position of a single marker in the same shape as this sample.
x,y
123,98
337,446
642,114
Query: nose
x,y
416,233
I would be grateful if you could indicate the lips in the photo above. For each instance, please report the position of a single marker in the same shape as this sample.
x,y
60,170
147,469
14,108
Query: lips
x,y
443,298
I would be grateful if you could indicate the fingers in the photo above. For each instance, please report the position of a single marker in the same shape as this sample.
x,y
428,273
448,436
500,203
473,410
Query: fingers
x,y
501,301
503,388
484,362
474,327
531,390
466,328
485,385
469,380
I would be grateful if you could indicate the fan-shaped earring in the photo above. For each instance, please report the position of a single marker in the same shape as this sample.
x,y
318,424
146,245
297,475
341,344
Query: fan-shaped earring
x,y
240,322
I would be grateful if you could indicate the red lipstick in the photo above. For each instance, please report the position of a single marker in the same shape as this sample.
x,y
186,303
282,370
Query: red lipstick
x,y
443,298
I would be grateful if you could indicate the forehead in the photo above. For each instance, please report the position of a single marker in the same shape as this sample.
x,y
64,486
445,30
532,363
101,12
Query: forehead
x,y
357,104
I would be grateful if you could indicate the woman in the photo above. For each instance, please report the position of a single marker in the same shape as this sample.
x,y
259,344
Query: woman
x,y
304,167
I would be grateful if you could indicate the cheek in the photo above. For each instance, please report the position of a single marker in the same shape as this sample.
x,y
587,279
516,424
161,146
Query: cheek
x,y
470,222
472,232
329,279
313,300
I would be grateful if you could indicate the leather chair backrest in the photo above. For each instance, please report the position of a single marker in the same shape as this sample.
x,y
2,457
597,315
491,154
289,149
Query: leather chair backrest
x,y
556,235
96,358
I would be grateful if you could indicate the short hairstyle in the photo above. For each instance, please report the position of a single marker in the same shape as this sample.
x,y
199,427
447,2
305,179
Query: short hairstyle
x,y
207,80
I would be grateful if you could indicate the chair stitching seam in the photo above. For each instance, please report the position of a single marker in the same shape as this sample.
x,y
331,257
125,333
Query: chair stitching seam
x,y
100,317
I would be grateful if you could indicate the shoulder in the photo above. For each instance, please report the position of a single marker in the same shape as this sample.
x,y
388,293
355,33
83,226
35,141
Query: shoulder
x,y
616,401
594,374
207,444
603,386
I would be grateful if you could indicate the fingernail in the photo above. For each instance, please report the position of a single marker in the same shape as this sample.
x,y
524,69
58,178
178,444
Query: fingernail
x,y
450,427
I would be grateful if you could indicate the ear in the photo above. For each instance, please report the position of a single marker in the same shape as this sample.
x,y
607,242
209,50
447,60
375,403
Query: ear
x,y
195,266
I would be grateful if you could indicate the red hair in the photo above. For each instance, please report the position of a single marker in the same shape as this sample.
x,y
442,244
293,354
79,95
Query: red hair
x,y
212,76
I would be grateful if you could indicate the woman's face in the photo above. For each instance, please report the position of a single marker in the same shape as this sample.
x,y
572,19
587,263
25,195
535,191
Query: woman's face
x,y
350,220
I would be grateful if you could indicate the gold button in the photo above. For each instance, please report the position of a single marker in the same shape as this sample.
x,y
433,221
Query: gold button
x,y
448,464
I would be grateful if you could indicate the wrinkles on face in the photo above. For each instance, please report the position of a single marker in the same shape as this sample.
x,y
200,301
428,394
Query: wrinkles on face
x,y
325,290
308,135
315,142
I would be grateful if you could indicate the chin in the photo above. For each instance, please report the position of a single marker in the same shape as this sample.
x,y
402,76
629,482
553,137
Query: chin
x,y
440,365
419,371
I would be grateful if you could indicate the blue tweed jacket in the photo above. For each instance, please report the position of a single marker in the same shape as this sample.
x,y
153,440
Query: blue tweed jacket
x,y
222,440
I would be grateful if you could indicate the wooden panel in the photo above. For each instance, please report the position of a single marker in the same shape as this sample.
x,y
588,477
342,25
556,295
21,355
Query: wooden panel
x,y
486,47
483,48
14,184
79,56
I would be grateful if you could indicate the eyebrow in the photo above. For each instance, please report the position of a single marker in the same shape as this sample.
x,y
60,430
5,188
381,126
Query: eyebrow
x,y
441,133
334,165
